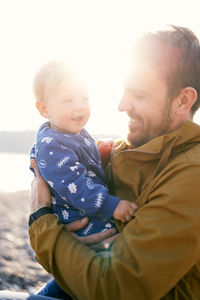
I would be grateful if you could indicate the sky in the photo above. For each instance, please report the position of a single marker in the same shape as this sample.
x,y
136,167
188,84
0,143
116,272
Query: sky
x,y
94,34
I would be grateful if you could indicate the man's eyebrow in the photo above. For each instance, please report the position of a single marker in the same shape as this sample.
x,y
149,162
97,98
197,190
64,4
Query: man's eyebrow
x,y
136,90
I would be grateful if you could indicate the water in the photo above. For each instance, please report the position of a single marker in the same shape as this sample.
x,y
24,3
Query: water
x,y
15,173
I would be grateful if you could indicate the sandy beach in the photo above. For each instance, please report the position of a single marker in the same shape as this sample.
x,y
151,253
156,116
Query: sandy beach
x,y
19,270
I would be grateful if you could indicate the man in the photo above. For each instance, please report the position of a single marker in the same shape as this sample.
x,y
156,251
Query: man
x,y
157,255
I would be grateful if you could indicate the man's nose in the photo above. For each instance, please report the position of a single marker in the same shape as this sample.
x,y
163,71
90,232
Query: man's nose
x,y
124,104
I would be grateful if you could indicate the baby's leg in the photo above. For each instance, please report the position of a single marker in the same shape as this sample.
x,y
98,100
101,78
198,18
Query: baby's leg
x,y
52,289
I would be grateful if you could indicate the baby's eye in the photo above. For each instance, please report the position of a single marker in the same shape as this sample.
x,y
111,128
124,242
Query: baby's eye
x,y
86,99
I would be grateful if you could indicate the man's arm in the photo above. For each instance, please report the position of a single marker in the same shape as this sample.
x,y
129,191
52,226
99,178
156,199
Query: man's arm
x,y
155,250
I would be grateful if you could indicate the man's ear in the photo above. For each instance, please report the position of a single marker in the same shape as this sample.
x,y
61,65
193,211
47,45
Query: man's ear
x,y
42,108
185,100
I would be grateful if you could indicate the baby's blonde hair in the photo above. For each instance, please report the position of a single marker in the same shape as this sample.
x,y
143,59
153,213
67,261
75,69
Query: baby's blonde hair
x,y
50,75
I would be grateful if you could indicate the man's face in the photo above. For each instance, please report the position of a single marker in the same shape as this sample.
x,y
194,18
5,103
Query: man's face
x,y
147,105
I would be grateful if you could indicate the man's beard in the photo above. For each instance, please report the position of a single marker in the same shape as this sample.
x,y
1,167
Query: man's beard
x,y
148,133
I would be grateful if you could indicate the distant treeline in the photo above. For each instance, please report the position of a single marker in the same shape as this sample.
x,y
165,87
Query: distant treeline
x,y
20,142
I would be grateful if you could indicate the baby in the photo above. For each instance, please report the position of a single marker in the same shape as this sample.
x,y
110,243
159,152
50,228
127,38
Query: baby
x,y
67,156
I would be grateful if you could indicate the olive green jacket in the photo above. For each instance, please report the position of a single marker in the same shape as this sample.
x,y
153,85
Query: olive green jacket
x,y
157,256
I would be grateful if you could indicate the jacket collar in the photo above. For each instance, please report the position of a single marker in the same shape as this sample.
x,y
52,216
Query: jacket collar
x,y
188,133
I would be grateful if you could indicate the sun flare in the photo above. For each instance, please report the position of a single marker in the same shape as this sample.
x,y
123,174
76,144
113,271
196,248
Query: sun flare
x,y
93,34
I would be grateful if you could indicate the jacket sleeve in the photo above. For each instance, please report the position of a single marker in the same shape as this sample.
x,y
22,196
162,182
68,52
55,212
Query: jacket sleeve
x,y
67,176
155,250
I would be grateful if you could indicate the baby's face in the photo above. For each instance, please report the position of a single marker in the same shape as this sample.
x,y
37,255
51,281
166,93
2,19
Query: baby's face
x,y
68,107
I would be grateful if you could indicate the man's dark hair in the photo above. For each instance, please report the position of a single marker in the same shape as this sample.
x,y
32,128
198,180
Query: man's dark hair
x,y
176,53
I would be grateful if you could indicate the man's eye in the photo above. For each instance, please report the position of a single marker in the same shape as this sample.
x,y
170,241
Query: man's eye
x,y
139,97
68,100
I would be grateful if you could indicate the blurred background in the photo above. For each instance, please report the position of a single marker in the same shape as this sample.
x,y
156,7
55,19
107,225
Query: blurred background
x,y
95,35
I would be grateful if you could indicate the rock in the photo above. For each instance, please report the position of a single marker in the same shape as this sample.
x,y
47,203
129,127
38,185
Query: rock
x,y
19,270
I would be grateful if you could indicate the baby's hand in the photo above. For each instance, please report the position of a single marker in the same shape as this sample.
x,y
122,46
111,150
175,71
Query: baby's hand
x,y
125,211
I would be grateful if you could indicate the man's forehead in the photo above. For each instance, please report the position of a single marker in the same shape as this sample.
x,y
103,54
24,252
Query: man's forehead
x,y
143,78
138,74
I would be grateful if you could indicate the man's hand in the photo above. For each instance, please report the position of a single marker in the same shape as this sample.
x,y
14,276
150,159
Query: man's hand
x,y
125,211
98,241
40,193
105,148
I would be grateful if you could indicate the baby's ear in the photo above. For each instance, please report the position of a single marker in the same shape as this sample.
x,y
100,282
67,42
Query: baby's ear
x,y
42,108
